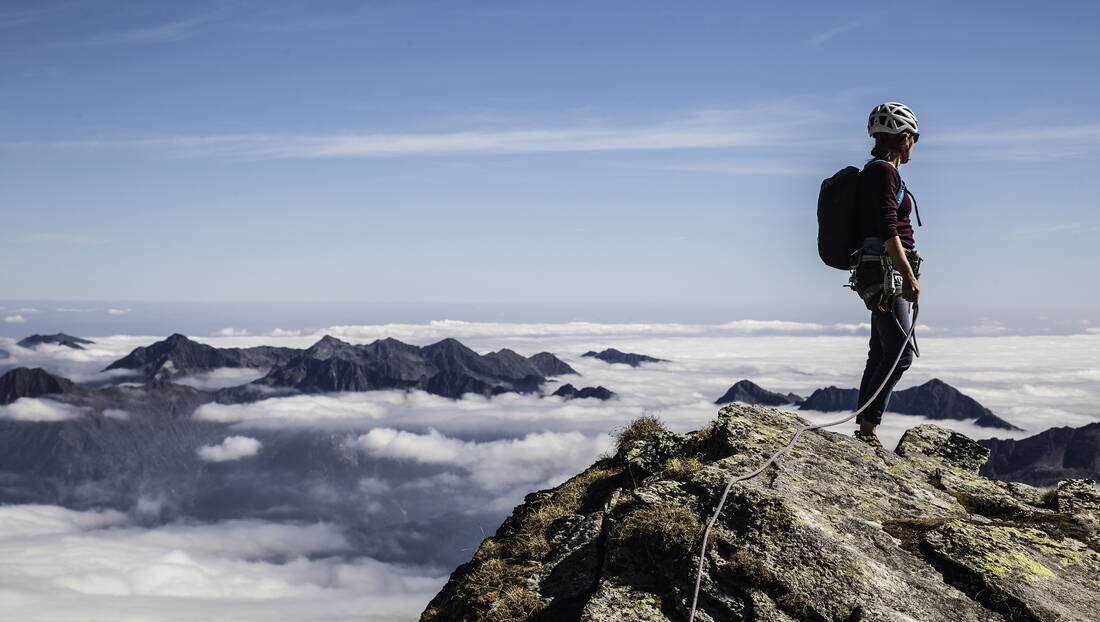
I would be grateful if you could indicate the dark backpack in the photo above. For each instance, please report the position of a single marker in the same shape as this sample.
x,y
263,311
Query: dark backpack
x,y
838,233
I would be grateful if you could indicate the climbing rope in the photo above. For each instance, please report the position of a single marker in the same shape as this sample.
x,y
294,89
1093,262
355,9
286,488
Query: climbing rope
x,y
722,500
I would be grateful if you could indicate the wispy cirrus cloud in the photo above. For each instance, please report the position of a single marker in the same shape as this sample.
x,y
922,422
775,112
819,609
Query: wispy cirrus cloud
x,y
13,19
288,146
741,168
1086,133
821,38
703,129
176,30
753,128
64,238
1024,143
1062,227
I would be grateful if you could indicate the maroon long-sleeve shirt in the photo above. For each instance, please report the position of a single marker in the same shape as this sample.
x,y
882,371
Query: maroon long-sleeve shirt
x,y
879,215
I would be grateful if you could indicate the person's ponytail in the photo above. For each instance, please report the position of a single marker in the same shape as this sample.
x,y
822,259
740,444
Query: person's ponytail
x,y
887,146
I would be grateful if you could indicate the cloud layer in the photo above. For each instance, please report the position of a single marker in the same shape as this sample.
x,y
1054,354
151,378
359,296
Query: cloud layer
x,y
432,476
39,409
63,564
232,448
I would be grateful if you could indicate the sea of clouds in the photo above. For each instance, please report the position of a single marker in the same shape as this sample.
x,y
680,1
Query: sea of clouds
x,y
440,460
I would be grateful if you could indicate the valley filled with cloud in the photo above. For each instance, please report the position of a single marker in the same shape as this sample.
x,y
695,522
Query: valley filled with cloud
x,y
423,478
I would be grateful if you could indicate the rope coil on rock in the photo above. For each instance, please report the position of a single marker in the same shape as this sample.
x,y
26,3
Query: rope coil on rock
x,y
783,450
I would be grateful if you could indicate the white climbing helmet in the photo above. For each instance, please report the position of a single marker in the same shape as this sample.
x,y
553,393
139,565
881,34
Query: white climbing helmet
x,y
892,118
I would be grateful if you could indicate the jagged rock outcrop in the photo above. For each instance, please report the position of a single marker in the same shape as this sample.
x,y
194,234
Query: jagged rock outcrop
x,y
58,338
25,382
934,399
1045,458
748,392
570,392
611,355
179,356
836,530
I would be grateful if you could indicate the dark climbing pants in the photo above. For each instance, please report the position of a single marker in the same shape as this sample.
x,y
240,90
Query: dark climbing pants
x,y
887,337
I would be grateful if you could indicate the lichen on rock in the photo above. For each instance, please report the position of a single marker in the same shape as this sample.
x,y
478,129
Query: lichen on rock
x,y
830,532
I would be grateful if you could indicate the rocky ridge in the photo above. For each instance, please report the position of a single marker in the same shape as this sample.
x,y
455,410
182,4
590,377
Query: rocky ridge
x,y
836,531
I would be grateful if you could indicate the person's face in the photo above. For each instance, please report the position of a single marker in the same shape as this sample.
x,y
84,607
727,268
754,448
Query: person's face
x,y
908,140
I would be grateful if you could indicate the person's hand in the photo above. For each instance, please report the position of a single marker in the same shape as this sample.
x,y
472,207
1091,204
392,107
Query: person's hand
x,y
910,289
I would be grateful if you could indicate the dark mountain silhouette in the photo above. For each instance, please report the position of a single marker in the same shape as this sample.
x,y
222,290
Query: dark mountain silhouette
x,y
748,392
25,382
611,355
939,400
934,399
446,368
179,356
1045,458
58,338
550,365
569,392
832,399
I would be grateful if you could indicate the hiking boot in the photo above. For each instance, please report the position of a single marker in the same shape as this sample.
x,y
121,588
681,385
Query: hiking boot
x,y
870,439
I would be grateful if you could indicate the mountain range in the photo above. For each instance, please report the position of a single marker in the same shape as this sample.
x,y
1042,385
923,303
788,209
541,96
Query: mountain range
x,y
447,368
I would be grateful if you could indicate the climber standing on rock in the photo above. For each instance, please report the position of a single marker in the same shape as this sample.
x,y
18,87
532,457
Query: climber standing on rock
x,y
886,266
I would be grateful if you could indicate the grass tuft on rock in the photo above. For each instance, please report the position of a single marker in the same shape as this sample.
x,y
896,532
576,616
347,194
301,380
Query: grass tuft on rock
x,y
495,588
663,530
516,603
1049,498
489,583
681,468
528,540
644,428
751,569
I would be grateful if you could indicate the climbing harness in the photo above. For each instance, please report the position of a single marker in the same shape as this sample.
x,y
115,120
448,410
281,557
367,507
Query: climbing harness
x,y
891,286
729,485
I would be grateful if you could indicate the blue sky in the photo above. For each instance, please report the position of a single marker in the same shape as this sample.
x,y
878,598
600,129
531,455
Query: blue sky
x,y
576,153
